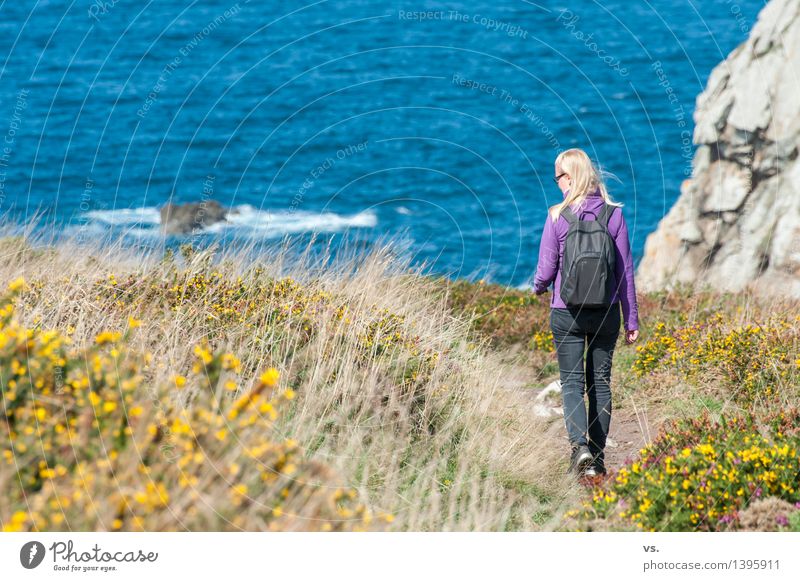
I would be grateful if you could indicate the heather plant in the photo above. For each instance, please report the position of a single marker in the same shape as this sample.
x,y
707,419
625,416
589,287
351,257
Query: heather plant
x,y
701,474
505,316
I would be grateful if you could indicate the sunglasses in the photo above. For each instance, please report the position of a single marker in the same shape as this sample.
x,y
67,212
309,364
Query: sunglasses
x,y
558,177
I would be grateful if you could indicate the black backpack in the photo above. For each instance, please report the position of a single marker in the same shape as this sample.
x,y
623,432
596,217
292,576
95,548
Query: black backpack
x,y
587,269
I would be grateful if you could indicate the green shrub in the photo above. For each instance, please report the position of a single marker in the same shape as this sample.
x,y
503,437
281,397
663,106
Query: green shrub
x,y
698,474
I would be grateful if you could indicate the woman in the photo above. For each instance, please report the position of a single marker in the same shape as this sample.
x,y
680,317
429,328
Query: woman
x,y
573,327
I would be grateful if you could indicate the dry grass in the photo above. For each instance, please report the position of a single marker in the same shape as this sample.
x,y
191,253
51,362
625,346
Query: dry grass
x,y
393,394
409,390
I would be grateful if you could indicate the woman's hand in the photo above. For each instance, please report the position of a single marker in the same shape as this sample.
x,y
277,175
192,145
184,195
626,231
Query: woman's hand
x,y
540,292
631,336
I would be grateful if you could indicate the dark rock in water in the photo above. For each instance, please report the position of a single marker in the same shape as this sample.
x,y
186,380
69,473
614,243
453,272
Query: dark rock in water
x,y
185,218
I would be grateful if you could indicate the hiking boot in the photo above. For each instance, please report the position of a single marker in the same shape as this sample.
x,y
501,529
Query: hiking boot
x,y
596,468
580,459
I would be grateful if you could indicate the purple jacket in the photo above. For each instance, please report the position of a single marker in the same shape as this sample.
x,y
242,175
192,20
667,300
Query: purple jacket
x,y
552,246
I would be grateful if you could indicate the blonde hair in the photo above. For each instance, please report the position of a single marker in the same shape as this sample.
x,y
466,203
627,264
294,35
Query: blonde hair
x,y
585,177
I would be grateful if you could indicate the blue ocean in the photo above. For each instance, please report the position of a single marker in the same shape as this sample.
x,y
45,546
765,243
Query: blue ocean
x,y
431,123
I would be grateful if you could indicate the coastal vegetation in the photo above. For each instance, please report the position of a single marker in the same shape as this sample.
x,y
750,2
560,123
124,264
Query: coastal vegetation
x,y
209,389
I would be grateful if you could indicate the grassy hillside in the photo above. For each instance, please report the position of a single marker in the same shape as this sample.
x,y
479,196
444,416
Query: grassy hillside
x,y
208,391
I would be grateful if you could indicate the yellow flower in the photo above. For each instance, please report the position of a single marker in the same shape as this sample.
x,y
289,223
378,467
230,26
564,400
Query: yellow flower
x,y
133,323
107,337
203,354
270,377
706,449
180,381
229,361
17,284
17,520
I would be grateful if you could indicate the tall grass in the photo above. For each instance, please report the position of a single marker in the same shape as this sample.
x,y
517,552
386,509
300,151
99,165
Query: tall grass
x,y
393,396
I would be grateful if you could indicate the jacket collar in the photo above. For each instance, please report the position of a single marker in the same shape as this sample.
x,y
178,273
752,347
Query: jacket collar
x,y
595,193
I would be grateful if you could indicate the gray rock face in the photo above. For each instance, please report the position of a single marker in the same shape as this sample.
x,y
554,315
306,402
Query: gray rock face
x,y
736,223
186,218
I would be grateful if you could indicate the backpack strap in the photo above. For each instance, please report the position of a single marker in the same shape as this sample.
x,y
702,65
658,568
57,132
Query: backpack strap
x,y
605,214
603,217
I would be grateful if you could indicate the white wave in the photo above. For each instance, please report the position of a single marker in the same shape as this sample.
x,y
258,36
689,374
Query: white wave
x,y
98,229
245,220
123,216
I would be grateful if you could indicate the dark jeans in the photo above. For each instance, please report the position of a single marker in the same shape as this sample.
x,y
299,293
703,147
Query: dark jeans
x,y
572,329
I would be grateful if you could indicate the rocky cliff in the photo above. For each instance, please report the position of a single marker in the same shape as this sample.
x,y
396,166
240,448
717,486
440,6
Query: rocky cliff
x,y
737,220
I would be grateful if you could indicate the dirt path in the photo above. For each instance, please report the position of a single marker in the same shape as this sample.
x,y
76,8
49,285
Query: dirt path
x,y
629,433
630,429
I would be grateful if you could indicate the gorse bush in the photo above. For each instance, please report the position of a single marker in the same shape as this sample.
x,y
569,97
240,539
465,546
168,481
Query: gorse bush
x,y
142,393
281,306
749,360
89,443
389,397
699,474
